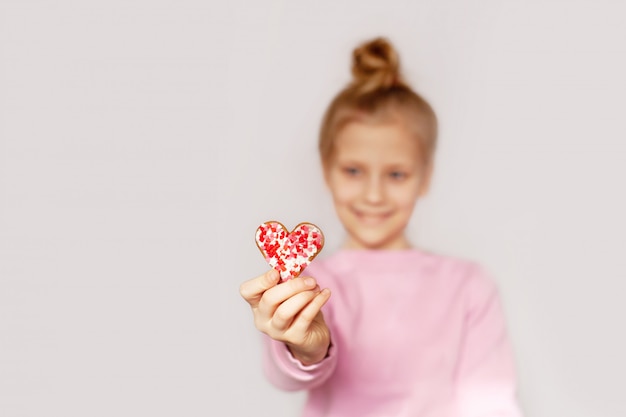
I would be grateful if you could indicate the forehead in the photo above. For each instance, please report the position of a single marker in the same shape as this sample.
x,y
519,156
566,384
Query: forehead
x,y
389,142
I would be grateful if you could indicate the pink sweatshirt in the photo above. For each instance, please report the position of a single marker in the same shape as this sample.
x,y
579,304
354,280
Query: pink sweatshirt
x,y
413,334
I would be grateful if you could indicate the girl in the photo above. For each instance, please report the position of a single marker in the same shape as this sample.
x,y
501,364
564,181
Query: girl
x,y
406,332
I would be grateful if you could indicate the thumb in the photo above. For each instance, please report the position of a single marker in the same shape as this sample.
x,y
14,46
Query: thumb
x,y
252,290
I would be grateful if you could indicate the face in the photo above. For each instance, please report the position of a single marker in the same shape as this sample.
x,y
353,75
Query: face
x,y
375,176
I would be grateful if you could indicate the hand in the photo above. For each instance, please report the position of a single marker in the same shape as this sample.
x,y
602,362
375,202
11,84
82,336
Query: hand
x,y
290,312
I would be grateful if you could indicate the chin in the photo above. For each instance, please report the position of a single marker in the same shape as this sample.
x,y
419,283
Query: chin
x,y
373,242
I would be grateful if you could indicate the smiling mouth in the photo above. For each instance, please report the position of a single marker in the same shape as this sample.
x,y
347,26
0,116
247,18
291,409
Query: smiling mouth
x,y
372,218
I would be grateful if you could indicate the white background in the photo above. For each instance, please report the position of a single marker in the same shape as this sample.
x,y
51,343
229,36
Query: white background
x,y
142,142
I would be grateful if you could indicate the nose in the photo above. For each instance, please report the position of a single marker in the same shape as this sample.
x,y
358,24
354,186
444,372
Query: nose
x,y
374,190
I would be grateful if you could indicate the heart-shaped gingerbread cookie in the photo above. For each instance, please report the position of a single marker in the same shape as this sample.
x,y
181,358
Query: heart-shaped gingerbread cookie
x,y
289,252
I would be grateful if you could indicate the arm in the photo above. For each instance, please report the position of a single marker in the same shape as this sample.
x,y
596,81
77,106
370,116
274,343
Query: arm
x,y
286,372
486,377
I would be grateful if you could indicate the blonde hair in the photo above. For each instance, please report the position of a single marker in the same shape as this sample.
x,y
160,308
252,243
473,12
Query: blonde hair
x,y
378,93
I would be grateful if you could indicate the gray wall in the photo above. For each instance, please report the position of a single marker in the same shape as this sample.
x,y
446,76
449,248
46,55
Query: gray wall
x,y
142,142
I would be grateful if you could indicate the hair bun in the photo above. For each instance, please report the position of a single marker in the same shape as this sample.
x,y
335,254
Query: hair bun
x,y
375,65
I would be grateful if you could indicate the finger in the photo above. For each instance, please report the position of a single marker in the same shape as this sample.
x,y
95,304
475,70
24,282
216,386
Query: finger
x,y
276,295
252,290
306,316
285,313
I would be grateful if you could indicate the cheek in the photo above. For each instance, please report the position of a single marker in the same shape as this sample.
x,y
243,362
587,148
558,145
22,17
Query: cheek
x,y
406,195
343,190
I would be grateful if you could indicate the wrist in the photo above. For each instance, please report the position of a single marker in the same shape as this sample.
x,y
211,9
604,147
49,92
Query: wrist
x,y
309,357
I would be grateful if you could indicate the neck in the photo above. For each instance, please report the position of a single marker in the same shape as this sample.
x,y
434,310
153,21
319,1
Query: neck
x,y
399,243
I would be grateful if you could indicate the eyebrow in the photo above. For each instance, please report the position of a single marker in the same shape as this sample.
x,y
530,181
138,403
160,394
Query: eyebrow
x,y
405,165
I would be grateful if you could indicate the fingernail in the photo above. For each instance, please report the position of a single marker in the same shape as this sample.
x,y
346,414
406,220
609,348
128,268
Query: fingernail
x,y
309,282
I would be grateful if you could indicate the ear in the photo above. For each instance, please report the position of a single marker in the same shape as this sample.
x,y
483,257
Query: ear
x,y
426,179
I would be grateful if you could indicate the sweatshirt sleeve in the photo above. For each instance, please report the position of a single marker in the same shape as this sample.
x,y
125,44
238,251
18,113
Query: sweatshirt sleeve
x,y
486,377
288,373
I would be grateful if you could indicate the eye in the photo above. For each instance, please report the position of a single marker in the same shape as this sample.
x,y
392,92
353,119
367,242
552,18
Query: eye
x,y
398,175
351,171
